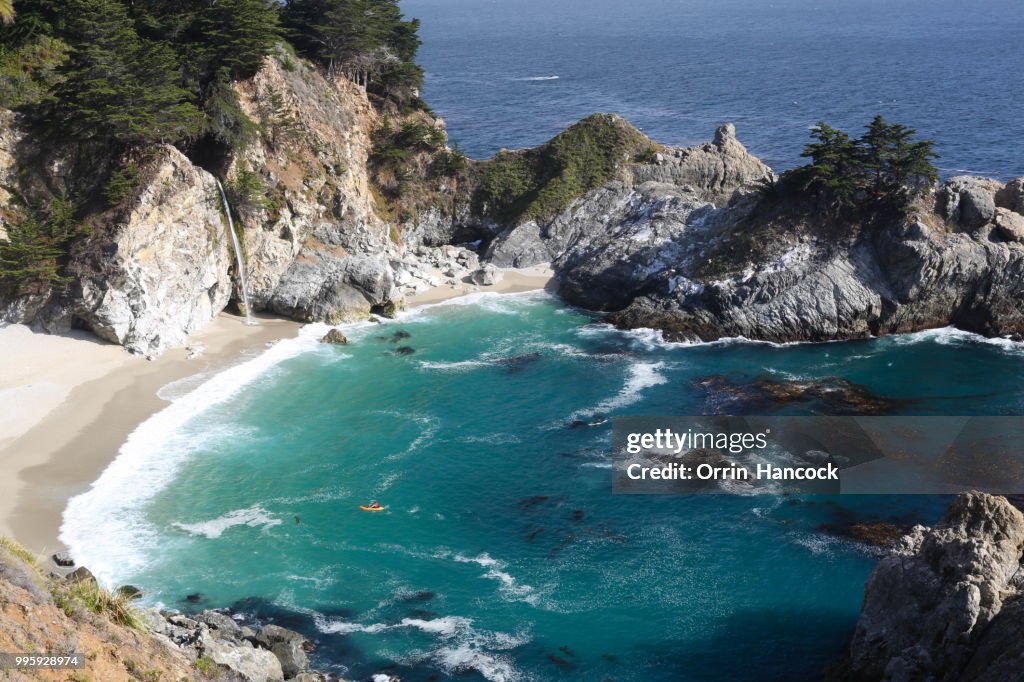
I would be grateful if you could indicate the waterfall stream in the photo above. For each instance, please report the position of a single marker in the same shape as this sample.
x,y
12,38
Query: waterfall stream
x,y
243,284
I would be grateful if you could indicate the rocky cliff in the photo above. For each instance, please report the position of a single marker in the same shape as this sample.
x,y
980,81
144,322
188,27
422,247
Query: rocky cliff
x,y
693,245
155,261
948,603
62,611
688,241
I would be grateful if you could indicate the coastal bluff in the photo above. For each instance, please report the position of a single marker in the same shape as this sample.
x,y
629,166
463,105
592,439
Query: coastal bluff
x,y
695,242
947,603
42,612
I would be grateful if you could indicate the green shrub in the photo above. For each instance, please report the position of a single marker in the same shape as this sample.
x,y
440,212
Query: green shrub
x,y
246,192
121,184
535,184
37,245
206,665
117,607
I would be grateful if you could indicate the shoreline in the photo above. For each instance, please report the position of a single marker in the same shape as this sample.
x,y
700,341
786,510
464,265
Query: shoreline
x,y
69,402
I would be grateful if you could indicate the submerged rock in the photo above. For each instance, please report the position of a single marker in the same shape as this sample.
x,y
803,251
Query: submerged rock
x,y
948,603
130,592
833,396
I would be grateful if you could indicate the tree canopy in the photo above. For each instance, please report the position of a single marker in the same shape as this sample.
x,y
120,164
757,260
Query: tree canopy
x,y
885,167
139,71
368,40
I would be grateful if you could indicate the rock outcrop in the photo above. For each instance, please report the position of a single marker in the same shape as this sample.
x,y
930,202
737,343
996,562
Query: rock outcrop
x,y
316,248
682,259
948,603
159,263
696,178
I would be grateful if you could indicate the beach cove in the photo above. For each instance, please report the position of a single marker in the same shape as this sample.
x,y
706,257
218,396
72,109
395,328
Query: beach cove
x,y
70,401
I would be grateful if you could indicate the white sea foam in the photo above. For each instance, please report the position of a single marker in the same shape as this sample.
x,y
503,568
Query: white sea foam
x,y
641,376
457,366
951,336
537,78
488,300
509,587
105,527
461,648
254,517
182,387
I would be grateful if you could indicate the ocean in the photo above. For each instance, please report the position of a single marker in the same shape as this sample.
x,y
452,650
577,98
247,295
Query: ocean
x,y
502,554
514,73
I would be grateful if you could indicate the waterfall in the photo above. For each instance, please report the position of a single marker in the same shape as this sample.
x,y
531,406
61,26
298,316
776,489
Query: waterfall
x,y
238,255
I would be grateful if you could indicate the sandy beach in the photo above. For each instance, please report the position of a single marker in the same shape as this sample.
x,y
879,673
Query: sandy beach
x,y
68,402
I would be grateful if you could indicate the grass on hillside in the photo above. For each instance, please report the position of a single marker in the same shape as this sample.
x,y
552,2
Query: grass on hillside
x,y
535,184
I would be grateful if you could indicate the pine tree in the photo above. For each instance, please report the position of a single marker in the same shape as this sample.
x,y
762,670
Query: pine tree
x,y
833,169
897,164
236,35
367,40
118,87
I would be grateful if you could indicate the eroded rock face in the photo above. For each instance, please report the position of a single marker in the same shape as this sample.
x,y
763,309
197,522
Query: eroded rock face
x,y
947,603
696,178
317,250
649,254
161,270
969,201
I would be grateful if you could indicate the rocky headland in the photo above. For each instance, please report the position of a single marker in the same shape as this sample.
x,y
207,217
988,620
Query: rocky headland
x,y
62,609
947,603
687,241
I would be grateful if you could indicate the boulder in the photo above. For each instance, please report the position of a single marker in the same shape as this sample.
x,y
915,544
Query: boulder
x,y
222,626
82,575
1011,196
63,559
969,201
947,604
253,664
487,276
334,336
288,646
1009,225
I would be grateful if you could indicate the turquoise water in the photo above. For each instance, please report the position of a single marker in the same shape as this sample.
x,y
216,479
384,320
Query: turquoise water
x,y
502,554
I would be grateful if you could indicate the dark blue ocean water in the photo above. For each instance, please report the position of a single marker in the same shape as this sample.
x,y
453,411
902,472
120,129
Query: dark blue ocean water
x,y
502,554
679,68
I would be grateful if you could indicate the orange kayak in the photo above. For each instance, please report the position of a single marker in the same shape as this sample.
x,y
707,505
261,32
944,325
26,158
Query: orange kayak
x,y
371,508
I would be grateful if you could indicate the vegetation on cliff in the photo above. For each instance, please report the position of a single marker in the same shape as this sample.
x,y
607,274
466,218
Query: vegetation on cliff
x,y
883,169
122,76
537,183
41,614
367,40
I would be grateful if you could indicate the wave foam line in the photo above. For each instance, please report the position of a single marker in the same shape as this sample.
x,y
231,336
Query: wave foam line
x,y
254,517
104,527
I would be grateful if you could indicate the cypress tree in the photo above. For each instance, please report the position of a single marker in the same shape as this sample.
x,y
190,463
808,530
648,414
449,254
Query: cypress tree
x,y
117,86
